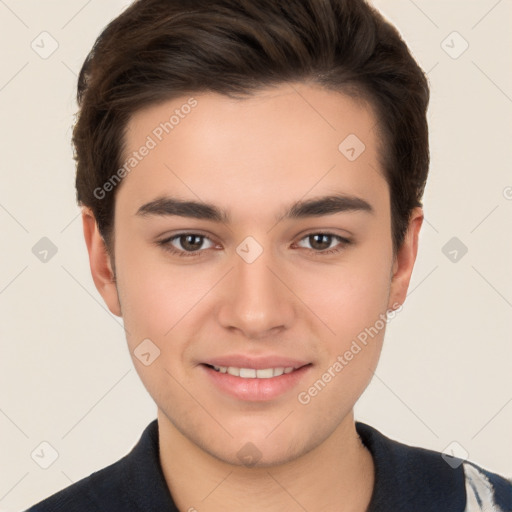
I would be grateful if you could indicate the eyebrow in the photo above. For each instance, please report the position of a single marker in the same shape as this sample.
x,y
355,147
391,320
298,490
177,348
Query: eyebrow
x,y
316,207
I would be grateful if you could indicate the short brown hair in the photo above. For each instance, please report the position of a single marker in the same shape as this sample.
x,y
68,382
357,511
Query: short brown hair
x,y
157,50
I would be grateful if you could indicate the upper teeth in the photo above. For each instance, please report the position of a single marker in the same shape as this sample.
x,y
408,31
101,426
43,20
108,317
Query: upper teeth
x,y
252,373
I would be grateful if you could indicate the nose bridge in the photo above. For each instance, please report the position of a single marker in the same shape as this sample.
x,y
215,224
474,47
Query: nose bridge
x,y
257,301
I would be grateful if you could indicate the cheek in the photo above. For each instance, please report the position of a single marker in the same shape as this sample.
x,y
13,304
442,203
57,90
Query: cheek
x,y
351,295
353,306
150,294
154,300
163,301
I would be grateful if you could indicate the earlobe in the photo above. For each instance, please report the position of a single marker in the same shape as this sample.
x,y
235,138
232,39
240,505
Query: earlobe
x,y
405,259
100,262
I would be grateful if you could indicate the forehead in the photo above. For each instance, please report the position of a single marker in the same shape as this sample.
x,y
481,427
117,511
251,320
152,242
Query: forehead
x,y
292,140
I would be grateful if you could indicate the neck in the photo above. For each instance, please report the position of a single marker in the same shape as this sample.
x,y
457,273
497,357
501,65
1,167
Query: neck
x,y
337,475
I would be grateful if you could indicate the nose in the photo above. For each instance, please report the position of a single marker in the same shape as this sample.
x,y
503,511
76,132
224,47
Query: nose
x,y
256,297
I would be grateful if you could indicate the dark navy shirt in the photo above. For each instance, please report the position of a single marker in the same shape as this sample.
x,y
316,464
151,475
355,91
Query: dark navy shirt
x,y
407,479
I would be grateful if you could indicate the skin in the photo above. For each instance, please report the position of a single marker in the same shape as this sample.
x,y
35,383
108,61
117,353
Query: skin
x,y
254,157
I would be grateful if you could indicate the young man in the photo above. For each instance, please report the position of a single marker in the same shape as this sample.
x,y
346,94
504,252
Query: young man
x,y
251,175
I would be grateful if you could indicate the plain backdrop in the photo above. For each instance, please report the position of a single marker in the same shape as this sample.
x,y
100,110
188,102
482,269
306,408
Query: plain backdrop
x,y
444,379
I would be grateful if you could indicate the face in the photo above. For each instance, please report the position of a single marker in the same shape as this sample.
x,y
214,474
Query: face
x,y
271,277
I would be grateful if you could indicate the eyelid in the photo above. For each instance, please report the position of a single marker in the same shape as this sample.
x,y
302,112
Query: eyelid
x,y
171,238
343,241
325,231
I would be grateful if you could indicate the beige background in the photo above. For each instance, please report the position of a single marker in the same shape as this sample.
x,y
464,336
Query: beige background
x,y
66,376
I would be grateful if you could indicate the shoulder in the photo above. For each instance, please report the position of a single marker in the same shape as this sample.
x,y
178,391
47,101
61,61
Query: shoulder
x,y
486,490
411,477
102,490
134,482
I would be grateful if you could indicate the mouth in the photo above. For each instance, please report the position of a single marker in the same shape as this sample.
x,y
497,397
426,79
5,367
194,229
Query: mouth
x,y
255,384
254,373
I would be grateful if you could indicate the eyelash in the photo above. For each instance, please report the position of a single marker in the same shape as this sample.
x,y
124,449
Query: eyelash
x,y
165,244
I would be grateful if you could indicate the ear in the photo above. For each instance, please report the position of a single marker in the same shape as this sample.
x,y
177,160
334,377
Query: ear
x,y
99,261
404,260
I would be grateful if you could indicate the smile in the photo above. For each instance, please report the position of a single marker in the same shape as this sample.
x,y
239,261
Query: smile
x,y
253,373
256,384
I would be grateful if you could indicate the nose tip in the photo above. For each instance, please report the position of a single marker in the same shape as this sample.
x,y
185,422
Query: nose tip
x,y
256,301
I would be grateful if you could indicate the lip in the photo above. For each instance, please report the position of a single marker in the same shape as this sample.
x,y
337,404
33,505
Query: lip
x,y
254,389
258,363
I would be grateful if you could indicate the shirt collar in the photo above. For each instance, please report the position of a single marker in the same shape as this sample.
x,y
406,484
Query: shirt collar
x,y
411,478
406,478
144,479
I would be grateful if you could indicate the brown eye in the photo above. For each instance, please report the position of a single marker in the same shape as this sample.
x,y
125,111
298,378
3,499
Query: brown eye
x,y
320,243
190,242
185,244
